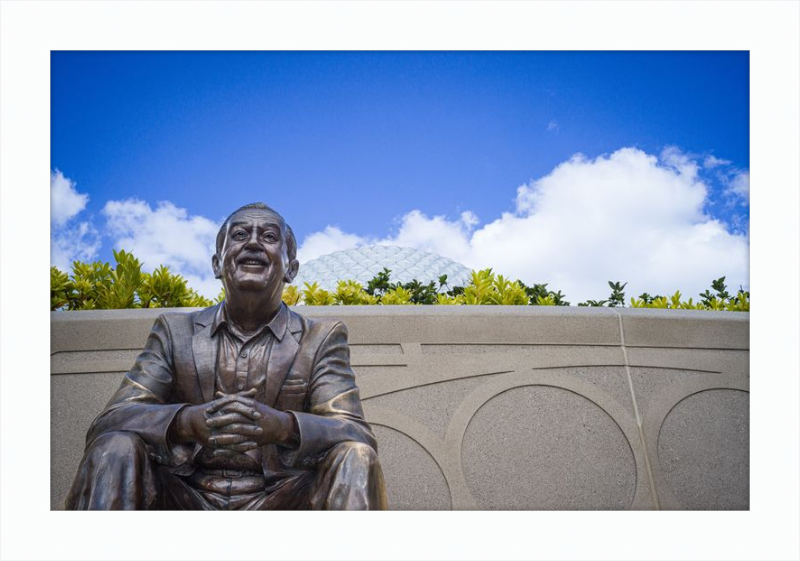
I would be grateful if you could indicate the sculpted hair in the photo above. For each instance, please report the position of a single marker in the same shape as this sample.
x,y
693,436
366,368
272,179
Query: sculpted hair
x,y
291,243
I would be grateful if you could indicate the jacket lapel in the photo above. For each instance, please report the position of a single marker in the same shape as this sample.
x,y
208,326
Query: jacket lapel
x,y
204,348
281,357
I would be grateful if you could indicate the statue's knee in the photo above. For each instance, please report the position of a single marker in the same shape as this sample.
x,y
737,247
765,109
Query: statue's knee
x,y
117,445
356,452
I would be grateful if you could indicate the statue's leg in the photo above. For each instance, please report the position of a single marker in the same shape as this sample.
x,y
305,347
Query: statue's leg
x,y
175,493
115,474
349,478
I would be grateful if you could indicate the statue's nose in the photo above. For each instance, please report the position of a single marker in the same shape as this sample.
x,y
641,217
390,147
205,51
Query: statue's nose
x,y
252,241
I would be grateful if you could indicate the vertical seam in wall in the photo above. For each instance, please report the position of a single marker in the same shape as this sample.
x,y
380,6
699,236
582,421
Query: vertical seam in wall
x,y
636,413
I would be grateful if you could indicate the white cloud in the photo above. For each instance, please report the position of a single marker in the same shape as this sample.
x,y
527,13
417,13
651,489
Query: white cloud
x,y
628,216
437,234
166,235
69,241
65,201
552,126
684,164
80,242
739,185
736,182
205,284
329,240
712,162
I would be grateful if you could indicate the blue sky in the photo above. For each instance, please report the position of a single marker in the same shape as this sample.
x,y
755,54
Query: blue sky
x,y
453,152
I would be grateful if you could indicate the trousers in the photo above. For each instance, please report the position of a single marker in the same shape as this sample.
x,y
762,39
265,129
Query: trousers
x,y
117,473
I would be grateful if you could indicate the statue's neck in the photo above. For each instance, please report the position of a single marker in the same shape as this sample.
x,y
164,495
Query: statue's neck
x,y
250,311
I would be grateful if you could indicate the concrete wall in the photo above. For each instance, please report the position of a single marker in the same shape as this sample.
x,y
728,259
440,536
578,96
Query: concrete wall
x,y
491,407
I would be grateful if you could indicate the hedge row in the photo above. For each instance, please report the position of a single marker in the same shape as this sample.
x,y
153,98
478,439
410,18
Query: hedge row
x,y
98,285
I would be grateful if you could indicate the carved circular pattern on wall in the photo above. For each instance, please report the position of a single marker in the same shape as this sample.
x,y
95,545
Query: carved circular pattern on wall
x,y
546,448
413,479
703,450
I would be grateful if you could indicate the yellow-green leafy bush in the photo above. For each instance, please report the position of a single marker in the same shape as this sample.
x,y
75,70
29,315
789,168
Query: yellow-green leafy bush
x,y
98,285
313,295
351,293
397,296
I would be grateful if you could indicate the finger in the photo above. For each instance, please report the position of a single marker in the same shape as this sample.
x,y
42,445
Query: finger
x,y
218,404
249,393
246,410
226,439
244,446
242,399
243,429
215,405
223,452
221,419
231,449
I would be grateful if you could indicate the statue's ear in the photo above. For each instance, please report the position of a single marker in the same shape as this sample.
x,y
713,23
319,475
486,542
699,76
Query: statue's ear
x,y
291,271
215,265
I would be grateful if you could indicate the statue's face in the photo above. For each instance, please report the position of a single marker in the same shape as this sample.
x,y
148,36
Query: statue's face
x,y
253,255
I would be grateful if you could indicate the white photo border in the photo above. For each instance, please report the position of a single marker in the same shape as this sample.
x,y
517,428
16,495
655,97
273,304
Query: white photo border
x,y
30,30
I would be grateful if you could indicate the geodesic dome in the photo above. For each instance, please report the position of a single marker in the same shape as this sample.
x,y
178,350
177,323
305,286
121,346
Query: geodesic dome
x,y
363,263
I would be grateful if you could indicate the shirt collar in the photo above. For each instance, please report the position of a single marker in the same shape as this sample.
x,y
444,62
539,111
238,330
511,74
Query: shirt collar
x,y
277,325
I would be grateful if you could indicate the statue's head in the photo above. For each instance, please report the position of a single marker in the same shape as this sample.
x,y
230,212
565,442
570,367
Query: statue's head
x,y
256,252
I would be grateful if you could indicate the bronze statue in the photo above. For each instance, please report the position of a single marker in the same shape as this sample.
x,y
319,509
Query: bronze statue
x,y
244,405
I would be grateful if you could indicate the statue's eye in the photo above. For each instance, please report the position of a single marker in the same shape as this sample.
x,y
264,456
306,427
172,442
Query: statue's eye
x,y
239,235
270,236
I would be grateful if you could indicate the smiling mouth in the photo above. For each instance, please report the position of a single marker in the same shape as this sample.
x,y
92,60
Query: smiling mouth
x,y
253,262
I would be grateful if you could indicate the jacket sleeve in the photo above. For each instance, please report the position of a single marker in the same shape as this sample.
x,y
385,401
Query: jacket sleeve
x,y
334,412
142,405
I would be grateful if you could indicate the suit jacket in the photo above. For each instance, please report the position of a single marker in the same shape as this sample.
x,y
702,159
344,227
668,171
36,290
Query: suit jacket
x,y
308,374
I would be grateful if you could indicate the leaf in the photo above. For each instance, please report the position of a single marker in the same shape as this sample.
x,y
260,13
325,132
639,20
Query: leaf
x,y
445,300
398,296
546,301
351,293
291,295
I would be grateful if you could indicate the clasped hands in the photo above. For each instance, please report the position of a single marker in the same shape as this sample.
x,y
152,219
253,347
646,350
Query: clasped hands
x,y
235,423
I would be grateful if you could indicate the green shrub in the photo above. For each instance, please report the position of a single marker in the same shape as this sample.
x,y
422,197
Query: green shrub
x,y
539,293
720,300
418,293
445,300
98,285
61,287
398,296
545,300
479,290
162,289
313,295
351,293
507,293
291,295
